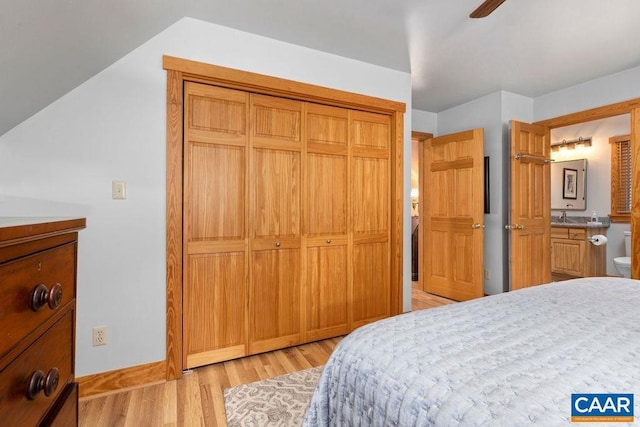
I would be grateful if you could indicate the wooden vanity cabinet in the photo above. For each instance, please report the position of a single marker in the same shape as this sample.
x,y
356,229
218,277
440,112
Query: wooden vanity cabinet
x,y
573,255
37,321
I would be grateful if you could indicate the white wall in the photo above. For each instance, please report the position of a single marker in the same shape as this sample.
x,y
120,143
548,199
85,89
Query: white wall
x,y
62,161
598,197
606,90
424,121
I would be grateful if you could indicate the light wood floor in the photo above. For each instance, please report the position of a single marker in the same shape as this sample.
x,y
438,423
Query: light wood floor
x,y
421,300
196,399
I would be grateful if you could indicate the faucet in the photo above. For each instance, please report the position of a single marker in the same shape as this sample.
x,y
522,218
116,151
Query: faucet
x,y
563,216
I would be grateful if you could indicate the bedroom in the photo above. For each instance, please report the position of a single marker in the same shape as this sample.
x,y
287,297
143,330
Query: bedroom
x,y
47,165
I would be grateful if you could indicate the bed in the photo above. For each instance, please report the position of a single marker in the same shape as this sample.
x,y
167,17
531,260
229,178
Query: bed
x,y
509,359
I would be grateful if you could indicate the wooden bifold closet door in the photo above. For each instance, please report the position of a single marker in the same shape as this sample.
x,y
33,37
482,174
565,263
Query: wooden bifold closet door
x,y
275,175
327,223
286,222
215,290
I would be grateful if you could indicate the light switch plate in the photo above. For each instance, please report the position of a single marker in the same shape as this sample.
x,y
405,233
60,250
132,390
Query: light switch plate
x,y
118,190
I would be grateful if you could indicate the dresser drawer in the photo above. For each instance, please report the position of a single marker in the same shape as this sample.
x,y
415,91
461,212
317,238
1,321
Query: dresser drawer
x,y
54,272
52,350
65,414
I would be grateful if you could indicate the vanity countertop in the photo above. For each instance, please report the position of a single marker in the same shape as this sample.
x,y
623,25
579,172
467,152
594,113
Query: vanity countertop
x,y
579,222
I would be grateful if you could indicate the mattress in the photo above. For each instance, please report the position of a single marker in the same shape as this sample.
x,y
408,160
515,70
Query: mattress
x,y
509,359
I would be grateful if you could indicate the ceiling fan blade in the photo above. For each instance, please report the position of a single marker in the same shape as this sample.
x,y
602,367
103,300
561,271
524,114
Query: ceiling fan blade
x,y
486,8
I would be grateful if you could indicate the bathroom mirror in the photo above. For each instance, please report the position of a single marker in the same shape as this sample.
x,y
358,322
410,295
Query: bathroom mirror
x,y
569,185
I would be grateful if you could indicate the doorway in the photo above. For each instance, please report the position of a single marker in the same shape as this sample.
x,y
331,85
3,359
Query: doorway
x,y
632,108
568,150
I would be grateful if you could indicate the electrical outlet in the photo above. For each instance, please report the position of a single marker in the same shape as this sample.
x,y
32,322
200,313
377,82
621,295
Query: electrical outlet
x,y
99,335
487,275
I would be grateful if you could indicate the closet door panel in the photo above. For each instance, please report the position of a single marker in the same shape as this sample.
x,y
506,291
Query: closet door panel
x,y
327,195
327,129
217,192
326,291
275,302
276,121
371,285
327,297
370,193
215,287
371,133
276,143
276,193
327,171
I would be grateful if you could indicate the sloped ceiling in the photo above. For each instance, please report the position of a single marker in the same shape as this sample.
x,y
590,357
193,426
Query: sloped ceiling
x,y
48,47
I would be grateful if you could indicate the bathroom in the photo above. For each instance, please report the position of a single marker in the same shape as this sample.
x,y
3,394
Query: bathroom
x,y
597,177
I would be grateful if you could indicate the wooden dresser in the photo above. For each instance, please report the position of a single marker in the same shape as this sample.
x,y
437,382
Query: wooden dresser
x,y
37,321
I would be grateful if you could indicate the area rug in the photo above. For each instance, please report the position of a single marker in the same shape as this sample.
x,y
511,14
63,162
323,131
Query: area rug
x,y
279,401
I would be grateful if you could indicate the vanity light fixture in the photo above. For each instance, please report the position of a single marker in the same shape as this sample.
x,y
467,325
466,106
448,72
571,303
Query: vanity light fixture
x,y
571,144
414,197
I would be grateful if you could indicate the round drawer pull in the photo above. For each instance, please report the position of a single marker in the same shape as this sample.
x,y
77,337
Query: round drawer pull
x,y
40,382
277,244
328,240
41,296
55,296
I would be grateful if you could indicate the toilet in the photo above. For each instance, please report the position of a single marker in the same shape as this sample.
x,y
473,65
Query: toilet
x,y
623,263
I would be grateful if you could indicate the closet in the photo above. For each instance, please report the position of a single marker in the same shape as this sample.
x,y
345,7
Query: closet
x,y
284,212
287,210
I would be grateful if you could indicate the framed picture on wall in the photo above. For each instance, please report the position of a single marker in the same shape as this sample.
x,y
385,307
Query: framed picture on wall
x,y
570,183
487,195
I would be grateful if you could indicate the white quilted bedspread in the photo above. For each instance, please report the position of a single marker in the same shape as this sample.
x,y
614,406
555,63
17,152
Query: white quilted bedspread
x,y
506,360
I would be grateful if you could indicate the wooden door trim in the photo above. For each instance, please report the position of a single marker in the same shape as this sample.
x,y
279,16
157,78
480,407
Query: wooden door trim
x,y
631,106
181,70
420,138
175,94
260,83
597,113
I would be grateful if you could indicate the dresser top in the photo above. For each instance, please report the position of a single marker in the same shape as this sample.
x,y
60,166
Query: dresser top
x,y
18,228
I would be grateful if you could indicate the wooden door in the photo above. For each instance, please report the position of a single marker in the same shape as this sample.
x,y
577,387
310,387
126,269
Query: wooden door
x,y
452,215
215,224
275,198
530,208
370,197
326,223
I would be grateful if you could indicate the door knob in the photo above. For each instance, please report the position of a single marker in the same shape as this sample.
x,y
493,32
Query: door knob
x,y
477,225
514,227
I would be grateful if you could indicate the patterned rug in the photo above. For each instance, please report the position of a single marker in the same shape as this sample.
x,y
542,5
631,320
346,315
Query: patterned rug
x,y
279,401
